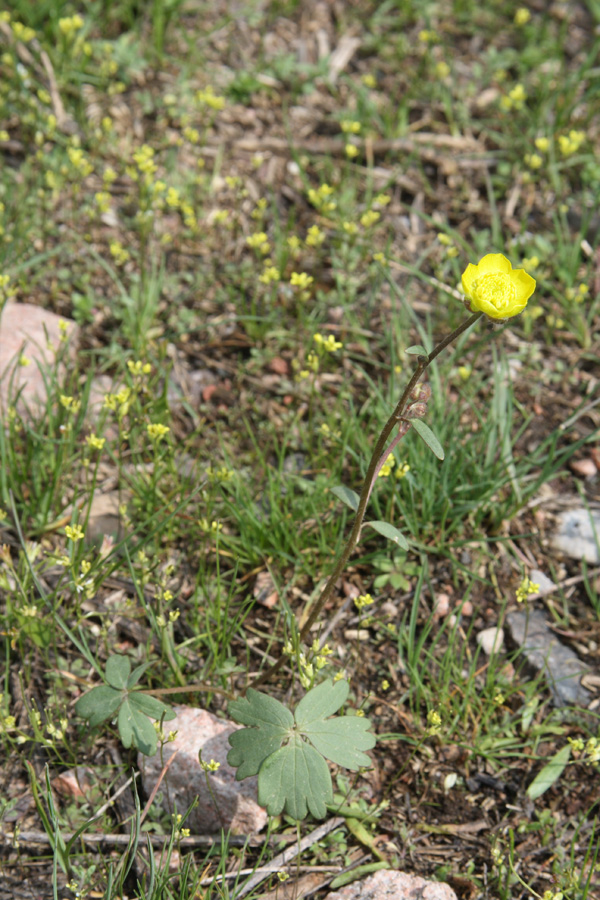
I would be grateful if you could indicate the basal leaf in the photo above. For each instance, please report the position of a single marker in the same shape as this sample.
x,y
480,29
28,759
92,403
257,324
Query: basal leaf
x,y
427,435
251,746
136,728
347,496
117,671
343,740
323,700
98,704
550,773
260,709
390,532
150,706
295,778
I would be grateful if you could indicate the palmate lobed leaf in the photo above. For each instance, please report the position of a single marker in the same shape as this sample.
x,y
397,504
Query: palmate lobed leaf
x,y
260,709
251,746
99,704
136,728
117,671
343,740
296,778
150,706
322,701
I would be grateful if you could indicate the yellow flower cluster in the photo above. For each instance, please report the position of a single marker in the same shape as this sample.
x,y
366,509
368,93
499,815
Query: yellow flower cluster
x,y
207,97
515,99
369,218
525,588
94,442
579,294
571,142
321,198
22,32
79,161
329,344
74,533
363,600
269,274
314,236
259,241
301,280
350,126
387,467
119,253
157,431
69,25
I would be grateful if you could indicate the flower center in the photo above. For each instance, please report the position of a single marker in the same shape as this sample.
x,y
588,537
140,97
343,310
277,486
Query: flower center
x,y
498,290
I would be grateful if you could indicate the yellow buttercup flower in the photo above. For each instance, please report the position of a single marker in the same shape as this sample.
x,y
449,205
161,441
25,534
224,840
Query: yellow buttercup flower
x,y
495,288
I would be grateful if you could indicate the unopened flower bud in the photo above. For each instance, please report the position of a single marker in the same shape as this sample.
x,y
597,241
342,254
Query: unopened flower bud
x,y
416,411
421,393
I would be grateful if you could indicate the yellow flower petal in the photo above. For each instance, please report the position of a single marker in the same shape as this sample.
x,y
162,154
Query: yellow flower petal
x,y
524,285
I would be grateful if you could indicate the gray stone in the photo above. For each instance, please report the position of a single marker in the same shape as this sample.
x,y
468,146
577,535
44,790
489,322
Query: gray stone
x,y
542,649
234,805
389,885
28,330
546,584
578,534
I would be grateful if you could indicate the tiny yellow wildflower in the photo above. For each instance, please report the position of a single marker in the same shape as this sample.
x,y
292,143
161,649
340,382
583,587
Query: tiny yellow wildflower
x,y
351,151
525,588
369,80
533,160
442,69
427,36
515,99
402,471
434,721
207,97
363,600
173,199
314,236
351,228
157,431
522,16
542,144
102,199
269,274
369,218
74,532
385,685
258,241
301,280
350,126
119,253
94,442
328,344
569,144
24,361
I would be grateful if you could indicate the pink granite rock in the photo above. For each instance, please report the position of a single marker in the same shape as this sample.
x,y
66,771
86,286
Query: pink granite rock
x,y
28,330
389,885
236,806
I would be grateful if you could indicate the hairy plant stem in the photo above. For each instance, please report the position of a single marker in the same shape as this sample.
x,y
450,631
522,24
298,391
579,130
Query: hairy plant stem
x,y
392,422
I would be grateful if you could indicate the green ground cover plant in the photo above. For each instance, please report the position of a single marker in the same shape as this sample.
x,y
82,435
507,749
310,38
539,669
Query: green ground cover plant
x,y
264,222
